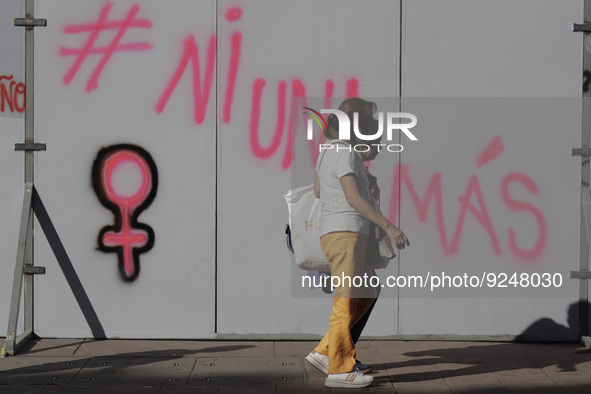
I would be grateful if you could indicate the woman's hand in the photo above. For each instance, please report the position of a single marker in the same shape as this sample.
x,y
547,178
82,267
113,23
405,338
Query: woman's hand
x,y
397,236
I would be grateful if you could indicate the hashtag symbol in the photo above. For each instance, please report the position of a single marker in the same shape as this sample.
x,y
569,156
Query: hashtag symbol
x,y
95,29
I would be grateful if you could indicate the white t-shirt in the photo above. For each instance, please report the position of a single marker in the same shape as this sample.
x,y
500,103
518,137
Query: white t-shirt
x,y
337,214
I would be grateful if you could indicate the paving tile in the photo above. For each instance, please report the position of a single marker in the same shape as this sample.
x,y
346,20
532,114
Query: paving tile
x,y
239,349
577,389
50,347
168,367
131,390
413,371
17,370
402,356
18,389
448,344
565,378
458,355
516,369
372,388
258,371
532,387
73,390
313,376
247,390
471,378
398,347
162,348
134,348
102,371
433,387
417,376
503,351
367,354
294,348
189,390
104,390
548,350
316,389
379,371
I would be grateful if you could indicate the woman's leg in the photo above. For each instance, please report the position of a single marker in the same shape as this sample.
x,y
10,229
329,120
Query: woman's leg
x,y
357,329
345,251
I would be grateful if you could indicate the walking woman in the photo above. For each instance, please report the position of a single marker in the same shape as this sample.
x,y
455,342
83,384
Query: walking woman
x,y
343,188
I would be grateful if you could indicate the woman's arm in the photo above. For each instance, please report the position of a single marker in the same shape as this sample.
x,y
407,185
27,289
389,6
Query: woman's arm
x,y
316,186
349,185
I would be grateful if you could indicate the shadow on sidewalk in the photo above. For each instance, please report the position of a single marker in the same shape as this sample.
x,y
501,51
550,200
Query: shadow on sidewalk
x,y
111,364
536,348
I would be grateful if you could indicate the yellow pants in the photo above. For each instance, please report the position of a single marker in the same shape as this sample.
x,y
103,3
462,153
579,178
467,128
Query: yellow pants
x,y
345,252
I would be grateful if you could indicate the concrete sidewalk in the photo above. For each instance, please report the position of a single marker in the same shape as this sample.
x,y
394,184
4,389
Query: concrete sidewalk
x,y
141,366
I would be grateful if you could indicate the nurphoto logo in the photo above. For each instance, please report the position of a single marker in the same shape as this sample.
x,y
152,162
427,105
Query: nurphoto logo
x,y
344,127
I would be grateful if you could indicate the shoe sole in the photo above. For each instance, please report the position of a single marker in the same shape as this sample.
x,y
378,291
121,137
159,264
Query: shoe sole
x,y
346,385
317,364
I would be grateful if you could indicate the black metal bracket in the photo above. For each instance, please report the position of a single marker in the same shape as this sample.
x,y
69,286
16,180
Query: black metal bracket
x,y
580,275
584,27
584,151
34,270
30,147
30,23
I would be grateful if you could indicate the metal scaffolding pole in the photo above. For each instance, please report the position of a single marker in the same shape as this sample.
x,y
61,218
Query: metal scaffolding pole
x,y
24,269
583,273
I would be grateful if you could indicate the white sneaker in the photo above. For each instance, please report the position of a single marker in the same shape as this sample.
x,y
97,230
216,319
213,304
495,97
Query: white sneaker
x,y
348,380
319,361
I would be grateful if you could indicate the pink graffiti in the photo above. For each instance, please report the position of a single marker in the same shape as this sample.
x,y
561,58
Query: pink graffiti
x,y
232,15
95,30
202,78
128,238
401,176
492,151
202,87
298,100
480,214
234,62
515,206
433,195
200,96
255,144
353,87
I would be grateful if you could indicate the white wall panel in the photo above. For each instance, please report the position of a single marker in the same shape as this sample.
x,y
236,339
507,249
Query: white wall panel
x,y
504,50
173,295
283,42
463,48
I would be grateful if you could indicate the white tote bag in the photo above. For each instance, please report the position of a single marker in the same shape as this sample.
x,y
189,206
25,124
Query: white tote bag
x,y
304,223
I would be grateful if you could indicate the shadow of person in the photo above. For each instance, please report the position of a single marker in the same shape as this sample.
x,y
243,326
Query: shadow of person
x,y
108,365
547,330
444,360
